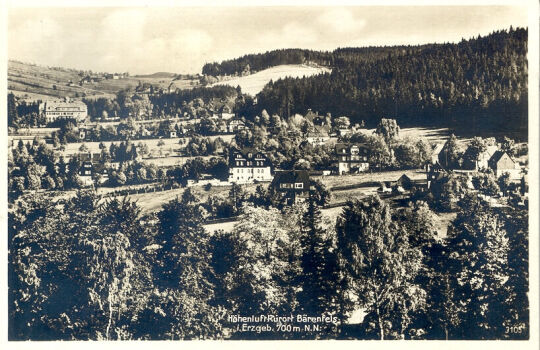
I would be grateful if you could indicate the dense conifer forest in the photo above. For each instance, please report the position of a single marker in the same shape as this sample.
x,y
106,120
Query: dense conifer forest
x,y
478,85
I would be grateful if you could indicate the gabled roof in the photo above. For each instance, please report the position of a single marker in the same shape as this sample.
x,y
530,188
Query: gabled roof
x,y
497,156
245,152
404,178
347,147
291,177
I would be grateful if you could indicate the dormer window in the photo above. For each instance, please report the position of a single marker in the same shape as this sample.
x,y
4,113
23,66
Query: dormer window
x,y
250,155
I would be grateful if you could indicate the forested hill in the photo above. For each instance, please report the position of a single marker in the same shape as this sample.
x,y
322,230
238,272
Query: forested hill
x,y
478,85
338,58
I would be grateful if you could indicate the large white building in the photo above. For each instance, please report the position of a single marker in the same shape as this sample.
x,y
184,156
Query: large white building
x,y
63,109
248,166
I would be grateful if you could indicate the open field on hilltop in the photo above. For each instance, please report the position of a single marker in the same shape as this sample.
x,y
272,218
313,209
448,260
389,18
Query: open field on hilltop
x,y
185,84
113,86
252,84
37,82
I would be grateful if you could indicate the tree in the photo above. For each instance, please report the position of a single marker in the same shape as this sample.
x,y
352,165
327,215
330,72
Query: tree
x,y
238,195
447,191
13,115
320,280
388,129
342,123
380,154
183,273
486,184
319,193
478,263
451,154
507,144
266,253
84,149
407,155
33,177
83,280
381,266
476,147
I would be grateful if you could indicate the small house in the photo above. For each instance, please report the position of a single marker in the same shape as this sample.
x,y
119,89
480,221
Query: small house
x,y
294,184
500,162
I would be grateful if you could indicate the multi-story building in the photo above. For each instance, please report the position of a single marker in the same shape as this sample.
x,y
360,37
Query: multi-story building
x,y
351,158
248,166
63,109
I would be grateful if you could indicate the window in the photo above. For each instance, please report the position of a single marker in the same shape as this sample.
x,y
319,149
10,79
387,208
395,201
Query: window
x,y
299,185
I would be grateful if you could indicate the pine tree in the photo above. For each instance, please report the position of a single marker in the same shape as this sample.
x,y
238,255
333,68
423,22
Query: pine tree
x,y
320,279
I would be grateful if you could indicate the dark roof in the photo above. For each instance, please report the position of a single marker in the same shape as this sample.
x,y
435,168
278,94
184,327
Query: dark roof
x,y
341,146
292,176
404,178
497,156
245,152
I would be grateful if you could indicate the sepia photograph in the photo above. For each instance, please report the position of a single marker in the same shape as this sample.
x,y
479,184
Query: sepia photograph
x,y
271,172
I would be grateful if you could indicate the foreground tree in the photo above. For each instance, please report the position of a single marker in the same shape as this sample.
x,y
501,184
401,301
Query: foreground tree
x,y
183,274
381,266
320,279
478,265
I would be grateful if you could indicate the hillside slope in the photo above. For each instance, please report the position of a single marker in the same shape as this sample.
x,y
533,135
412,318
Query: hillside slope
x,y
252,84
35,82
477,85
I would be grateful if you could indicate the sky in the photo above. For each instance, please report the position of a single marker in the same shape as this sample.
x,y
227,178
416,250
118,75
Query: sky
x,y
143,40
